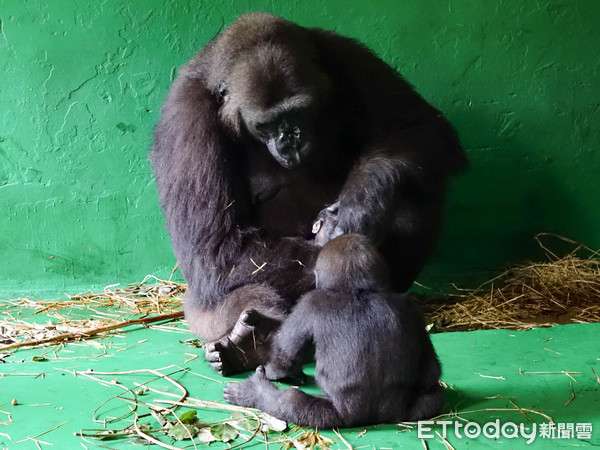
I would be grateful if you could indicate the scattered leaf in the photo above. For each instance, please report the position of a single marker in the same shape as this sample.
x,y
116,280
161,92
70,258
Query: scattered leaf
x,y
243,421
189,417
144,426
188,426
223,432
110,435
196,343
160,418
184,431
310,440
205,436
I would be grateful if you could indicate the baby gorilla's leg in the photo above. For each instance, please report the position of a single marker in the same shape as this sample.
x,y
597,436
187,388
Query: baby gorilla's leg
x,y
252,392
429,404
291,405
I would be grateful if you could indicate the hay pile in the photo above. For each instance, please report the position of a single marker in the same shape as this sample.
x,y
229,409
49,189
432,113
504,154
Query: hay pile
x,y
564,290
32,323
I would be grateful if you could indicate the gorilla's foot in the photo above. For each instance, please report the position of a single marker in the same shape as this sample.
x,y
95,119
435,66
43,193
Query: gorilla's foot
x,y
245,347
249,392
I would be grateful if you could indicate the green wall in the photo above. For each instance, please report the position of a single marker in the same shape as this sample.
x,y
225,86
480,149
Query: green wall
x,y
81,84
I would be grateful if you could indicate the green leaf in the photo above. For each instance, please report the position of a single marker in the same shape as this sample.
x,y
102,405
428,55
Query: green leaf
x,y
242,421
181,431
223,432
137,440
189,417
144,426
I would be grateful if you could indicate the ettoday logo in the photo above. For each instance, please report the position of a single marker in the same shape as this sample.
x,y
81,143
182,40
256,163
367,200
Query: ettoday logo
x,y
507,430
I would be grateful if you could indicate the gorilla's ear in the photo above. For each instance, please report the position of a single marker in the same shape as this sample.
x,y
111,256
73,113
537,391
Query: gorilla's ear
x,y
223,92
230,114
317,226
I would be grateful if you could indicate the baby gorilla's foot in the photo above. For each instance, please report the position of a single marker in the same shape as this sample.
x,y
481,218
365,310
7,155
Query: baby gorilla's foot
x,y
245,347
248,393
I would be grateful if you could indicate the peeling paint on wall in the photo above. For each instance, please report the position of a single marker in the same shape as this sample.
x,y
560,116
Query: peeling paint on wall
x,y
82,84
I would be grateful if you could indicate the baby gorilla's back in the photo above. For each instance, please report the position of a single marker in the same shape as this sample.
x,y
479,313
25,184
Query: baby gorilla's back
x,y
375,360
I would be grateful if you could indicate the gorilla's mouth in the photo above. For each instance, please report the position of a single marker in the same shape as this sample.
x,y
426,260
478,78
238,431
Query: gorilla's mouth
x,y
289,156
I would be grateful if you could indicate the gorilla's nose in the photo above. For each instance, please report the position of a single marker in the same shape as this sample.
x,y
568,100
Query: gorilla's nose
x,y
283,140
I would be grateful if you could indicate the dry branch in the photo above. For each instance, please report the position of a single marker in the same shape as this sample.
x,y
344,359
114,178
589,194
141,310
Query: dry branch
x,y
94,331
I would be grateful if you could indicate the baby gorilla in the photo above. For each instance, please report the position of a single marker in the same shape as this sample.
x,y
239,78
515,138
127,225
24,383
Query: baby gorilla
x,y
375,361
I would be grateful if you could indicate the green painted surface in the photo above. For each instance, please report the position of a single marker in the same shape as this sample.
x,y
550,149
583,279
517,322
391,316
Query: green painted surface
x,y
487,370
82,83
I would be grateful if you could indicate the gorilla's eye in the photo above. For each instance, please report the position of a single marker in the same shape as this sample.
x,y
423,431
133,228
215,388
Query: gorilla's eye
x,y
297,132
282,126
262,128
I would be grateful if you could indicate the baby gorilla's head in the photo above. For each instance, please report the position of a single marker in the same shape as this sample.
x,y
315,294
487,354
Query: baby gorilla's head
x,y
351,263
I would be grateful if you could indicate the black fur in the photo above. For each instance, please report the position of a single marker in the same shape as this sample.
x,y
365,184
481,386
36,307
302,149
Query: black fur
x,y
375,361
269,123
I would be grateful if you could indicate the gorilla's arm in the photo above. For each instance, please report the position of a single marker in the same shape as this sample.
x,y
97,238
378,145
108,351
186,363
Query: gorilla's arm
x,y
395,200
193,178
291,342
401,182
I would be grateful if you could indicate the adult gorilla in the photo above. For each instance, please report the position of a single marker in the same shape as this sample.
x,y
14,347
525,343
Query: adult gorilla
x,y
267,125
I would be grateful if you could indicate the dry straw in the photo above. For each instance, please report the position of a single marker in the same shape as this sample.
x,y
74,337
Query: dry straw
x,y
563,290
151,301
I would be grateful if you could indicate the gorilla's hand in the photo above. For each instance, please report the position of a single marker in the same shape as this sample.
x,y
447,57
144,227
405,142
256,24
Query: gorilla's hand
x,y
370,198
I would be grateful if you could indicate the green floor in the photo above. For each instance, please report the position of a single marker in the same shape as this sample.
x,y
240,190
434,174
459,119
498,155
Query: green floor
x,y
490,375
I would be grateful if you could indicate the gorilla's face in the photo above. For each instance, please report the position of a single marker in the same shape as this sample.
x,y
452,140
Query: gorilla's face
x,y
286,135
275,98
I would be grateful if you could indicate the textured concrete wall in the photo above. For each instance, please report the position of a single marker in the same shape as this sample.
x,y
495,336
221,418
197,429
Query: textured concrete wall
x,y
81,84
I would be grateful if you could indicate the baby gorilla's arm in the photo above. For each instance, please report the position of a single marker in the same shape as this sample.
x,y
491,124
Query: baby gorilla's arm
x,y
291,342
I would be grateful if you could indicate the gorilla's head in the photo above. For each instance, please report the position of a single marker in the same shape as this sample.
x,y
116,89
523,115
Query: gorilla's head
x,y
350,263
272,88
